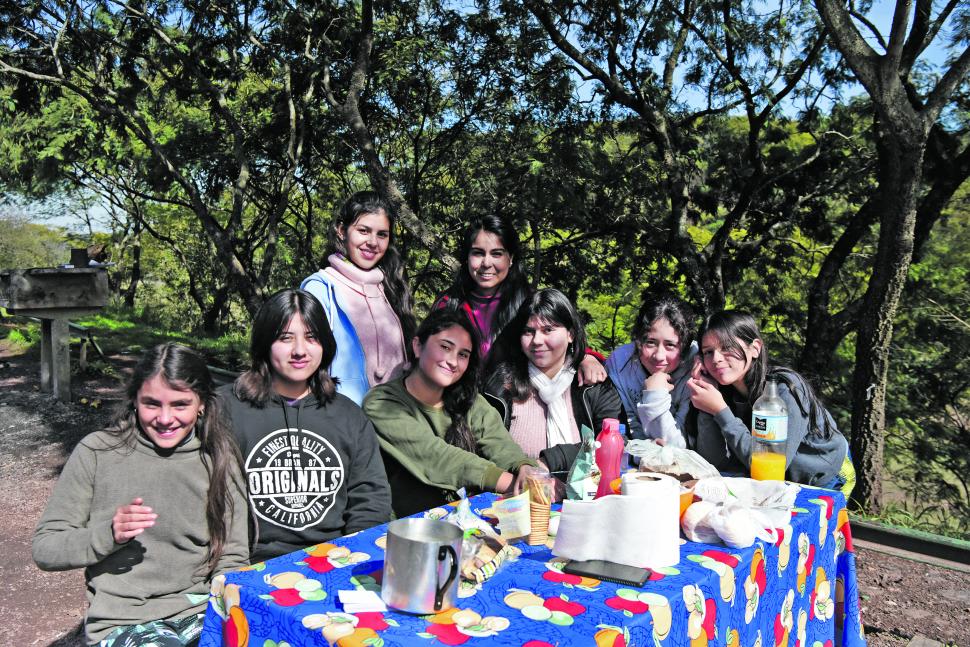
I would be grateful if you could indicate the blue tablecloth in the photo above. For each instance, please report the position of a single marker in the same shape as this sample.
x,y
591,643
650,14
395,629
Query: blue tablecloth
x,y
799,592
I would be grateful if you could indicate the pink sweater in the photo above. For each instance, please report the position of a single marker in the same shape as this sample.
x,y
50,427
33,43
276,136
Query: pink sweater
x,y
375,322
528,424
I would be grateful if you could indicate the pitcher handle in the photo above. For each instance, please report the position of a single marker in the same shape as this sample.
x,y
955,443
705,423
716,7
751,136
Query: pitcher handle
x,y
439,593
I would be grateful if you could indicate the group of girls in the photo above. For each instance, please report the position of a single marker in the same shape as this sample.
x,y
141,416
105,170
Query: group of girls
x,y
493,385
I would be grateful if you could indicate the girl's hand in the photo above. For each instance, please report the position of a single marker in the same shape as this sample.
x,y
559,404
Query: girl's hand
x,y
658,381
525,471
504,485
698,373
591,371
131,520
705,396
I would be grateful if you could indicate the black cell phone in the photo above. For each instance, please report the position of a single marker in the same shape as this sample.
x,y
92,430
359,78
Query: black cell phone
x,y
608,571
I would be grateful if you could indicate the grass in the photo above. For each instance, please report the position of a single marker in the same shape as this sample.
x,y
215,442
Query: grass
x,y
119,331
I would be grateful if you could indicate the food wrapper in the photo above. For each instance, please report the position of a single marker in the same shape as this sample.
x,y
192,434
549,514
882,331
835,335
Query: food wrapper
x,y
490,552
583,475
483,550
513,516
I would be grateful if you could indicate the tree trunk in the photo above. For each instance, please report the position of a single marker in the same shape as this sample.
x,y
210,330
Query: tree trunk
x,y
900,170
213,314
135,278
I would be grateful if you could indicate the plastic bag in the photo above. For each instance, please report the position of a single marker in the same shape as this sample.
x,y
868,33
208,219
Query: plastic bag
x,y
582,480
682,464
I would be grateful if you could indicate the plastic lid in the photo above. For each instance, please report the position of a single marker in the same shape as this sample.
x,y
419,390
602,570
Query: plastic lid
x,y
611,424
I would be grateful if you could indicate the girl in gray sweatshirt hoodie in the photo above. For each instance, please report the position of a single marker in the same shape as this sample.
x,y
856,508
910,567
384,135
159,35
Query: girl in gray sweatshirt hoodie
x,y
151,508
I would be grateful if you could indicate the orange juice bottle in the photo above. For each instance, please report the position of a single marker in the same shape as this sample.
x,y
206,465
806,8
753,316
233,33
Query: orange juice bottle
x,y
769,432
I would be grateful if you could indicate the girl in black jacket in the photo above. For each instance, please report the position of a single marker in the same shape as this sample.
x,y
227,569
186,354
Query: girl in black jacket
x,y
536,386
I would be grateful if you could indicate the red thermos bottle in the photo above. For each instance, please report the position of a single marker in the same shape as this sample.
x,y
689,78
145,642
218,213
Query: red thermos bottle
x,y
609,455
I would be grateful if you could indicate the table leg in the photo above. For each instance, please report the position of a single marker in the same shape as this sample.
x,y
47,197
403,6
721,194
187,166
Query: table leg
x,y
61,359
46,356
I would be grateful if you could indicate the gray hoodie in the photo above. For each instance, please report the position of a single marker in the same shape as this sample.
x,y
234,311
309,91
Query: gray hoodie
x,y
312,472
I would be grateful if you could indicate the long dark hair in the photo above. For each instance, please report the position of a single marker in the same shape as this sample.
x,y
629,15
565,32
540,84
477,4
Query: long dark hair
x,y
458,397
184,369
396,289
255,386
553,306
514,289
732,328
664,305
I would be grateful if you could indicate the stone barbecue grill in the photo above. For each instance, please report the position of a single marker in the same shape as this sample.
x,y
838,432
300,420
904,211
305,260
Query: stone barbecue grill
x,y
54,295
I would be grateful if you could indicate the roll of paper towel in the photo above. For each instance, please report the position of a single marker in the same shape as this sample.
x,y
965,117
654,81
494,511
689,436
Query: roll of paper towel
x,y
640,527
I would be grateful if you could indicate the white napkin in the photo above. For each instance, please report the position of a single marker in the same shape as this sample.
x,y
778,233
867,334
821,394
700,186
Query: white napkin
x,y
359,601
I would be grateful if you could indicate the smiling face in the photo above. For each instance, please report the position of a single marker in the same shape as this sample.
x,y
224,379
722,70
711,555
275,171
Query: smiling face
x,y
545,344
294,358
367,239
166,415
728,366
488,262
659,350
444,356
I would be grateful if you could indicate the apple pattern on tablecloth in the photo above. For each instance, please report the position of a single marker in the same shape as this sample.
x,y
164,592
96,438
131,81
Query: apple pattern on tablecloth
x,y
826,503
784,548
457,626
323,558
784,620
842,533
755,585
555,574
631,602
806,557
349,629
821,604
556,610
723,564
703,613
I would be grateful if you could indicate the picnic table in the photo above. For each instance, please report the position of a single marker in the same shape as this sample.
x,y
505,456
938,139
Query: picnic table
x,y
800,590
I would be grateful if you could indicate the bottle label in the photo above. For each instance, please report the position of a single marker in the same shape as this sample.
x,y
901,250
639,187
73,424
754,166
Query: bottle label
x,y
770,429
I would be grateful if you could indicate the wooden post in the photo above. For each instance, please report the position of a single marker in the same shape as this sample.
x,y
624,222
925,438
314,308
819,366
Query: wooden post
x,y
61,359
46,356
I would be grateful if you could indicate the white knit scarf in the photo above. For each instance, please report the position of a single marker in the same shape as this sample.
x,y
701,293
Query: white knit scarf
x,y
550,391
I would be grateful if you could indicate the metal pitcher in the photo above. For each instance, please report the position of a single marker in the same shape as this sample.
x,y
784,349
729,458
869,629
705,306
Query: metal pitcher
x,y
421,565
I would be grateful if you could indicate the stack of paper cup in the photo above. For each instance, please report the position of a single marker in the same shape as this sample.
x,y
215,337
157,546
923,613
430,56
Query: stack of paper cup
x,y
540,500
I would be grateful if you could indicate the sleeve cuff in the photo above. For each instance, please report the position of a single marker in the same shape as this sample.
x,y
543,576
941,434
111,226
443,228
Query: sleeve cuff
x,y
491,476
103,541
724,417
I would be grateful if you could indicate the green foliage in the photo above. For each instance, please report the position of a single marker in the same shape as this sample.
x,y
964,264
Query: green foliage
x,y
221,152
24,244
18,340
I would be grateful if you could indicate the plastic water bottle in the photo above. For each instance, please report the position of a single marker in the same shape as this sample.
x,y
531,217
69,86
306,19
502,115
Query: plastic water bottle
x,y
769,433
609,455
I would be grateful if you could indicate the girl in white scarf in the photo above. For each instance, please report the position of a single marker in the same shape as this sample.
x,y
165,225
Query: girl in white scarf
x,y
535,383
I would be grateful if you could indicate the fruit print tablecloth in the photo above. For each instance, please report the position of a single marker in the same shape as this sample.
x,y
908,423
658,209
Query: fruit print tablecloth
x,y
799,592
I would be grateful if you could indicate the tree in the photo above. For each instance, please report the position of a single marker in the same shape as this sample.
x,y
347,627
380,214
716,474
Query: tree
x,y
678,68
216,97
906,119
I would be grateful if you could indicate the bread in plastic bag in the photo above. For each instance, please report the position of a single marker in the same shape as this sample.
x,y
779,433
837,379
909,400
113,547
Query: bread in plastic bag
x,y
682,464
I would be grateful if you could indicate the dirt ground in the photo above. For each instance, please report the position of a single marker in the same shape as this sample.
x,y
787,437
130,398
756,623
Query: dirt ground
x,y
900,597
